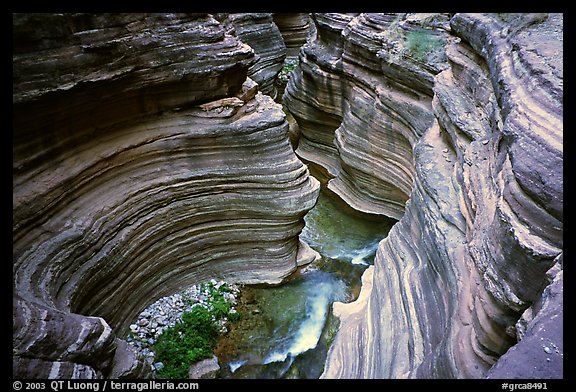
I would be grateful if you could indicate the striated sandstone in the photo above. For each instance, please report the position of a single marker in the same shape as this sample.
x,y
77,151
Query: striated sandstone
x,y
468,282
362,97
315,91
540,353
260,32
150,163
294,28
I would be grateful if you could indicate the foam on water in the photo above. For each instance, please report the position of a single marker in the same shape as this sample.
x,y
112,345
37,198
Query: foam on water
x,y
293,316
234,365
306,337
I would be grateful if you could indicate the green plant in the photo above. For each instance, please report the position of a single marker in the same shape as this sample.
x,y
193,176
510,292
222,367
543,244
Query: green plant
x,y
195,337
220,307
422,44
288,67
189,341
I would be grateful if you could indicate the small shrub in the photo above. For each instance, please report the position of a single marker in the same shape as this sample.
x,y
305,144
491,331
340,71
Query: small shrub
x,y
189,341
195,337
422,44
288,67
217,303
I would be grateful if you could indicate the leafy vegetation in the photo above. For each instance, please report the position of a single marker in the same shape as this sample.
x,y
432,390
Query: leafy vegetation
x,y
423,44
289,66
189,341
218,305
194,337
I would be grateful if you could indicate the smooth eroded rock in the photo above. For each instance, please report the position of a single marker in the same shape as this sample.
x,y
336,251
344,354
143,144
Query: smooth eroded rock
x,y
207,368
150,163
362,97
470,255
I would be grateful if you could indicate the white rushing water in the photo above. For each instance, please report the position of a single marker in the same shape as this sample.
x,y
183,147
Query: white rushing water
x,y
364,255
285,326
306,337
234,365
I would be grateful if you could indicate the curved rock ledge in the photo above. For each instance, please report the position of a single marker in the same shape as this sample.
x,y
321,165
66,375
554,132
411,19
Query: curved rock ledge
x,y
362,97
151,163
474,265
260,32
294,28
315,91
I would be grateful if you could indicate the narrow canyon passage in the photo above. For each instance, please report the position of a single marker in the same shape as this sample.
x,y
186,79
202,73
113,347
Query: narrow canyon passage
x,y
285,330
156,152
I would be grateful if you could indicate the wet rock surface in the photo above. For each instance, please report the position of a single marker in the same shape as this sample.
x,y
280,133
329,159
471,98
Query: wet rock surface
x,y
145,161
207,368
479,231
151,163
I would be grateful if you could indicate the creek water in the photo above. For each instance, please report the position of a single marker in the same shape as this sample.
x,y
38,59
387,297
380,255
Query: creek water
x,y
285,330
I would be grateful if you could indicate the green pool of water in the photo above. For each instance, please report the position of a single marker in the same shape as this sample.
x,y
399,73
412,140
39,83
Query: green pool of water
x,y
285,330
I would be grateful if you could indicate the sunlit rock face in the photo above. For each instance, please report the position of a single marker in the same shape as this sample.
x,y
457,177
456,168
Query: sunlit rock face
x,y
260,32
469,281
144,161
362,97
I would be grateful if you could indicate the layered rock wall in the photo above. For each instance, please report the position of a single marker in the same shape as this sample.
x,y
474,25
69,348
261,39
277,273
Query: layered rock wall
x,y
362,100
263,35
144,161
294,28
470,138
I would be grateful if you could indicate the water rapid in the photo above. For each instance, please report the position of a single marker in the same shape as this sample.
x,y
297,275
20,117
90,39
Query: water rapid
x,y
286,330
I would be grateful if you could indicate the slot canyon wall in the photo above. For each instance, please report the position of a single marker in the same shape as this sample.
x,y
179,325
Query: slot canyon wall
x,y
261,33
452,124
144,160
